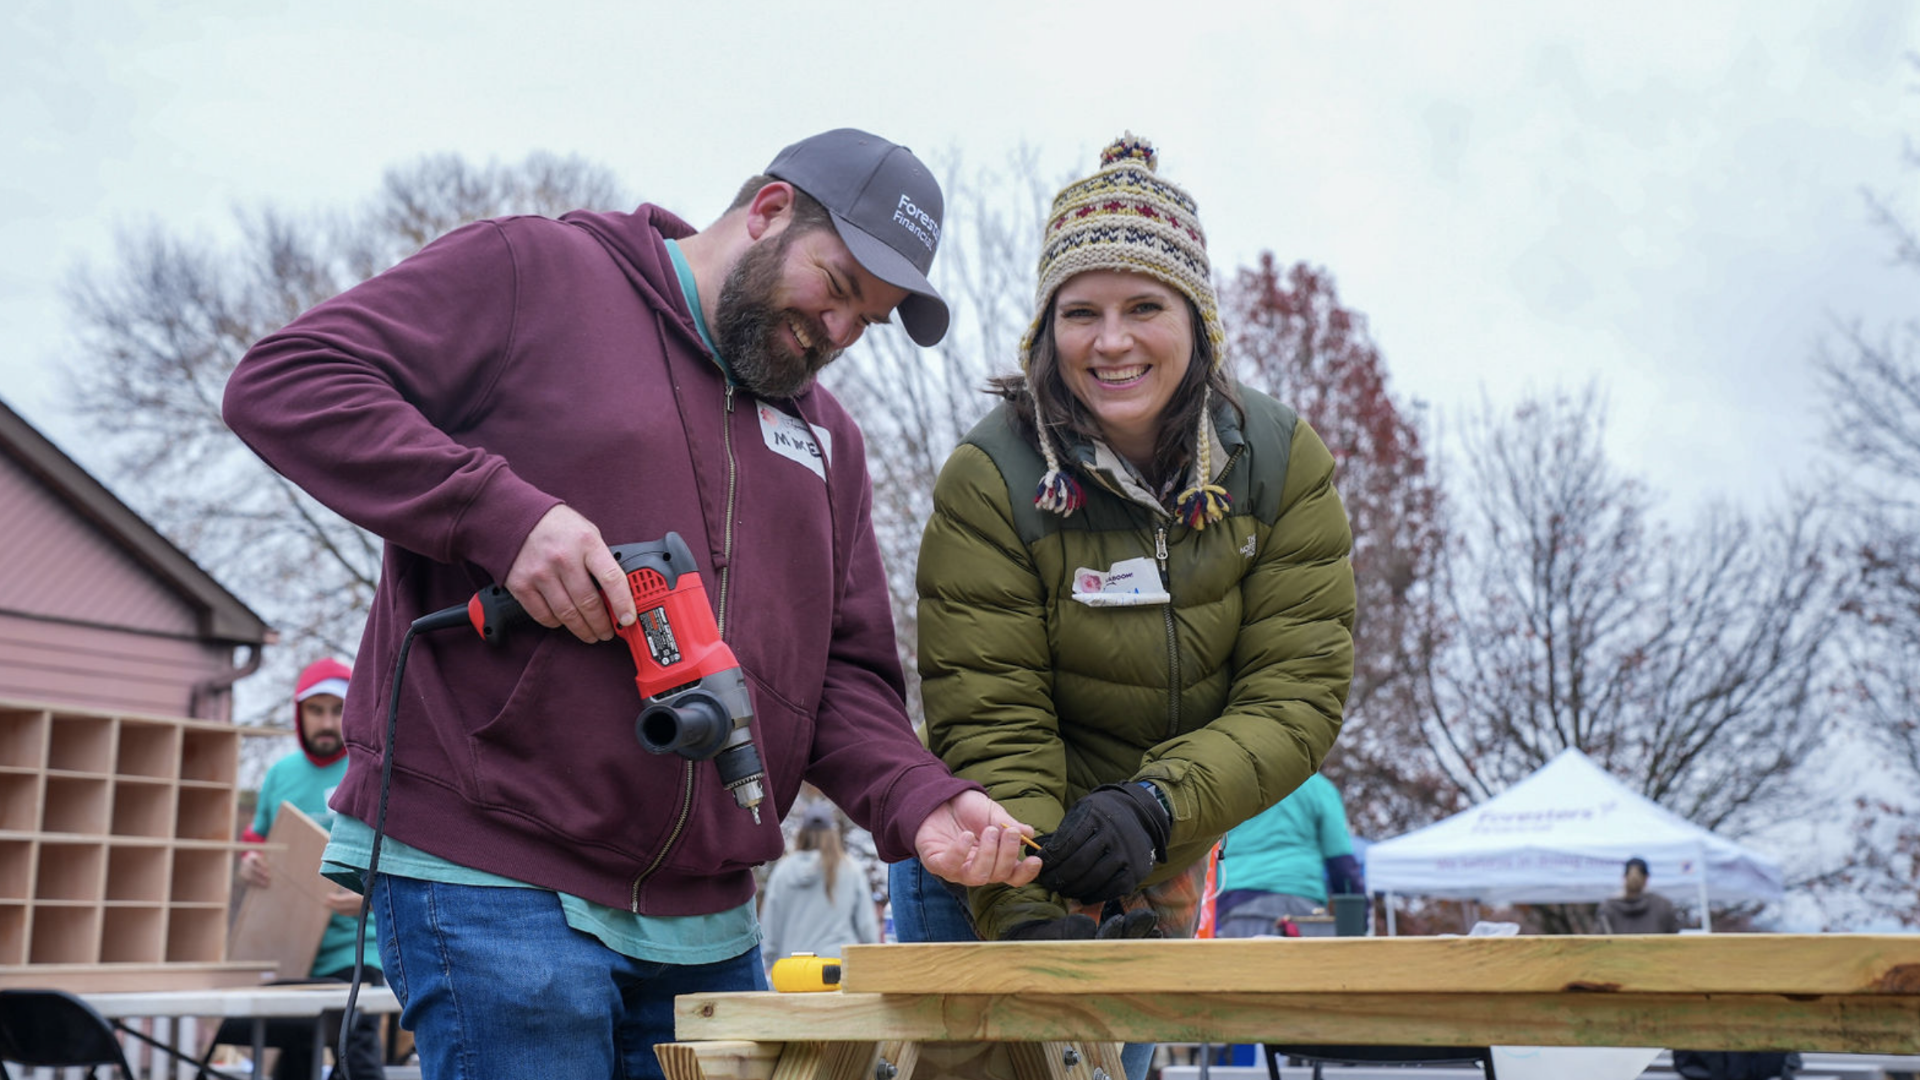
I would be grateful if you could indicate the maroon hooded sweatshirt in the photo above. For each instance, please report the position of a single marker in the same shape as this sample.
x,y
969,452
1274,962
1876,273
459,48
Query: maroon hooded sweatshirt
x,y
519,363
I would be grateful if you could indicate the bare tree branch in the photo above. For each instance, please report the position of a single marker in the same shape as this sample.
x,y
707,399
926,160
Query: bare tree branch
x,y
161,329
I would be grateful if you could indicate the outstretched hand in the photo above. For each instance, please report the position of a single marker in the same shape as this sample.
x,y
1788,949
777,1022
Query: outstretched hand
x,y
969,840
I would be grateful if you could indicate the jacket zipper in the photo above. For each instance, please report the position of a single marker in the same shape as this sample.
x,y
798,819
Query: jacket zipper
x,y
1173,643
726,543
679,826
686,778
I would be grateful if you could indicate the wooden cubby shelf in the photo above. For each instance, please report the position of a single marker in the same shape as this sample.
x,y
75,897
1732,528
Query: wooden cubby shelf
x,y
206,812
75,804
72,872
195,931
23,739
20,801
133,934
142,808
202,875
148,749
16,870
210,754
13,934
117,838
81,744
137,874
65,934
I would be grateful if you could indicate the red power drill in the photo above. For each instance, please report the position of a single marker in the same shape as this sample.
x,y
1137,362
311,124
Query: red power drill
x,y
694,699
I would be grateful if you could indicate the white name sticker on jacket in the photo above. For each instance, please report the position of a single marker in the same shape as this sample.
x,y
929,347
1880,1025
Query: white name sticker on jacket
x,y
791,437
1131,583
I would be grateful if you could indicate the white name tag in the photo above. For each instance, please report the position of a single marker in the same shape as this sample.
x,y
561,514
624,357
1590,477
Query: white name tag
x,y
795,439
1131,583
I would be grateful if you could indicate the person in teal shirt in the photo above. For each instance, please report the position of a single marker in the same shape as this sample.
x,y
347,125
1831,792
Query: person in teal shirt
x,y
1280,862
306,779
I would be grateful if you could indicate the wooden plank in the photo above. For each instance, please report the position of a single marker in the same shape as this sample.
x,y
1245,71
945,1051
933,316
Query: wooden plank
x,y
1694,964
732,1060
282,923
903,1056
842,1060
1061,1060
1861,1023
112,978
973,1060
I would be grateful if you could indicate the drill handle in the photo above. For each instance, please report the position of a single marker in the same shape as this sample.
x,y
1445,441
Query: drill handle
x,y
669,557
493,611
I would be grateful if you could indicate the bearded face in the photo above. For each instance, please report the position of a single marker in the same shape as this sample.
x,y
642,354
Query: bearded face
x,y
752,324
320,724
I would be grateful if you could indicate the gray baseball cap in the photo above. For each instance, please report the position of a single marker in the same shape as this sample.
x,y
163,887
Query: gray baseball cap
x,y
886,207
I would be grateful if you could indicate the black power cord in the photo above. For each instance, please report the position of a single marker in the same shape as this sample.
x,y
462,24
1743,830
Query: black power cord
x,y
439,620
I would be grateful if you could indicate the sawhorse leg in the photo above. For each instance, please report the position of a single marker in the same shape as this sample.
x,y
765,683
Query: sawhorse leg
x,y
891,1061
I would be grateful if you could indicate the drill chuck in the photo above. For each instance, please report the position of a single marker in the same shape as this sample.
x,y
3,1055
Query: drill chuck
x,y
709,719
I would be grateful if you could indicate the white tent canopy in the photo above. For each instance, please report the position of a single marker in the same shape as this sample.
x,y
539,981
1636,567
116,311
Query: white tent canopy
x,y
1562,835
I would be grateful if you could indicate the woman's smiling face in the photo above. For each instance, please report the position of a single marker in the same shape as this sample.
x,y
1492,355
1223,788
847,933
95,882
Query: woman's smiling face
x,y
1124,342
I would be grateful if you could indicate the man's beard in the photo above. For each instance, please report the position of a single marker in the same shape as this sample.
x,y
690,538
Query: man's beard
x,y
750,330
325,744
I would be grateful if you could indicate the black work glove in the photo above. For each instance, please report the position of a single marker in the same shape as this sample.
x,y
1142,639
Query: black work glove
x,y
1071,928
1107,845
1117,922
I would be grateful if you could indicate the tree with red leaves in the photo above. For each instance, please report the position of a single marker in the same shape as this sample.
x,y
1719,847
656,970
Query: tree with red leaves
x,y
1295,340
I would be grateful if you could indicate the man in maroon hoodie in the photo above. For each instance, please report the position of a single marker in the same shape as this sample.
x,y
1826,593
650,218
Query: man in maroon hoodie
x,y
499,407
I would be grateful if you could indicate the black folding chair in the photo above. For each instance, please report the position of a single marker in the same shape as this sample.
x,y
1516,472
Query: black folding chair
x,y
55,1029
1319,1056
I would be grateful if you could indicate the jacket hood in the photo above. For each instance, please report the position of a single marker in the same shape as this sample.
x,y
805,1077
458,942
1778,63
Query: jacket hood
x,y
328,676
635,242
806,868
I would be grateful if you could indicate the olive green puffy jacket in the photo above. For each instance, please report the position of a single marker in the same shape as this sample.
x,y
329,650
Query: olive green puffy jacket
x,y
1227,697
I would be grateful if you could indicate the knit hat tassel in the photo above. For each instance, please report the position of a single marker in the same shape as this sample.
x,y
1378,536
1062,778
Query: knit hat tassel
x,y
1057,491
1205,502
1201,505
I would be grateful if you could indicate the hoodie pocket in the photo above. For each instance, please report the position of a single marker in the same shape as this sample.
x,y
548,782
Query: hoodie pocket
x,y
562,752
720,834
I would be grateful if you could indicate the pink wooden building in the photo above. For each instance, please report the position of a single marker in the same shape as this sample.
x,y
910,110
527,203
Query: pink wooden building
x,y
97,609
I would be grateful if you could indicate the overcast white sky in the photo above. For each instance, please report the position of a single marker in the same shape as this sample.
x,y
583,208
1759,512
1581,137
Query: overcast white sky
x,y
1662,196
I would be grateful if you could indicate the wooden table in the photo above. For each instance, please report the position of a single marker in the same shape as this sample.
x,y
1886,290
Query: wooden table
x,y
258,1003
1828,992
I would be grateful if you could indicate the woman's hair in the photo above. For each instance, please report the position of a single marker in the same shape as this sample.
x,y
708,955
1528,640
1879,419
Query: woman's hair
x,y
823,837
1172,443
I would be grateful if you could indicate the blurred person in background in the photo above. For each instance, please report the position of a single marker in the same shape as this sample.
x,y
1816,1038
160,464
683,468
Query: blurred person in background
x,y
306,779
817,900
1637,910
1282,863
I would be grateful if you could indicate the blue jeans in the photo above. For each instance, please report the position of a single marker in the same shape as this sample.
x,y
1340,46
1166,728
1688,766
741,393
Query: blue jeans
x,y
494,983
924,910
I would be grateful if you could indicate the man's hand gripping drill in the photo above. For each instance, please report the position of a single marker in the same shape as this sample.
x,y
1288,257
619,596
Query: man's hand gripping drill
x,y
694,699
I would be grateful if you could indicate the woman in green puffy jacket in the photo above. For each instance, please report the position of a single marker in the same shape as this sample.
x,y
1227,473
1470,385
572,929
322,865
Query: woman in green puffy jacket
x,y
1136,606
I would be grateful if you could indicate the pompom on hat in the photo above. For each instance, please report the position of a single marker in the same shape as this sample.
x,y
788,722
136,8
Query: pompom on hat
x,y
1127,217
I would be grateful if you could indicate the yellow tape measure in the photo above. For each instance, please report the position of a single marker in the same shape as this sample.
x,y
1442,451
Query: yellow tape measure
x,y
804,973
